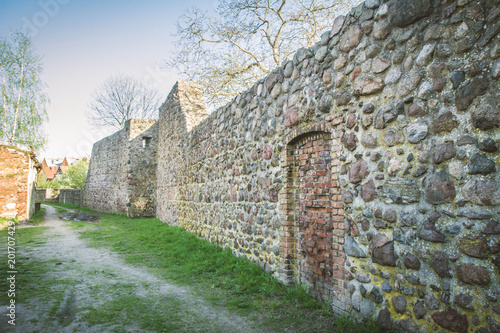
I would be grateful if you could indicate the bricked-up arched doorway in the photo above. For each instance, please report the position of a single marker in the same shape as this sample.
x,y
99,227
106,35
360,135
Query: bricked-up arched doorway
x,y
313,231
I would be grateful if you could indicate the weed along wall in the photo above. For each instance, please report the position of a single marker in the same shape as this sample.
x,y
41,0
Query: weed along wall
x,y
122,171
365,168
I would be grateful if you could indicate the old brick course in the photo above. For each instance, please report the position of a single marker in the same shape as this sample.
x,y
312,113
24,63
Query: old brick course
x,y
17,182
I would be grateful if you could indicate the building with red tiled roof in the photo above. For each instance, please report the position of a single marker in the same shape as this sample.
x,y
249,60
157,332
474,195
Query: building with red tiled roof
x,y
48,172
57,166
44,164
64,165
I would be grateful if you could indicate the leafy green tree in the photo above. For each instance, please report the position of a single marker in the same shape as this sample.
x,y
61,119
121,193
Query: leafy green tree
x,y
23,102
75,176
245,40
42,182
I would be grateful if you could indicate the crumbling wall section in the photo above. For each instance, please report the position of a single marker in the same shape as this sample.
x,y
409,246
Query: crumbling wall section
x,y
107,179
142,165
47,195
122,171
183,109
17,182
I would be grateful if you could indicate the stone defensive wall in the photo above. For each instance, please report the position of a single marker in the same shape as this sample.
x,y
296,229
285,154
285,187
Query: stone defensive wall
x,y
71,196
122,171
366,168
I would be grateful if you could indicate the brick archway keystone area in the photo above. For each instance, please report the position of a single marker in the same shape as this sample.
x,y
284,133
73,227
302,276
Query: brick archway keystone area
x,y
312,234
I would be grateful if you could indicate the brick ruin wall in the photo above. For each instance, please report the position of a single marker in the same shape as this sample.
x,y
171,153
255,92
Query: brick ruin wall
x,y
122,171
17,183
365,168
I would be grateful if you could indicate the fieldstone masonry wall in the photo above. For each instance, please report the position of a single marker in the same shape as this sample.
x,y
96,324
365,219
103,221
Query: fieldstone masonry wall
x,y
47,195
122,171
186,109
366,167
142,165
106,185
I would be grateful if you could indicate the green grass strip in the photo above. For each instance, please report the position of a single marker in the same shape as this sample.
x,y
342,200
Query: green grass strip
x,y
215,273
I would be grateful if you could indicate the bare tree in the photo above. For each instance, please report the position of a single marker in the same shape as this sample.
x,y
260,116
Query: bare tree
x,y
245,40
23,102
121,98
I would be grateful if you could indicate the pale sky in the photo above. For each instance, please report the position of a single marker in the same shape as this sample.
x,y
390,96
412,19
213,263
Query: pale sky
x,y
84,42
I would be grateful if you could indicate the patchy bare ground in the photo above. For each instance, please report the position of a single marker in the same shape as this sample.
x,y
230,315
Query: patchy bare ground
x,y
87,279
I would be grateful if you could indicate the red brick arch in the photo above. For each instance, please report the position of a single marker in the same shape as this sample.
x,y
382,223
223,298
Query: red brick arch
x,y
313,230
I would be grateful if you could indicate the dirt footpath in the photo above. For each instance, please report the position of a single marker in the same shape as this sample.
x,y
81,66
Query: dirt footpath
x,y
87,277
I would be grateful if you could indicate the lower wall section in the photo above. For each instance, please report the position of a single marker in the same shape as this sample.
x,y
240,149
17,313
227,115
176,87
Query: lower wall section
x,y
40,194
47,195
106,184
71,196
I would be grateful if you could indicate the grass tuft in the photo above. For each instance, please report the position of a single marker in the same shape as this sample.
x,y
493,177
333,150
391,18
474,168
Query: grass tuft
x,y
38,217
27,269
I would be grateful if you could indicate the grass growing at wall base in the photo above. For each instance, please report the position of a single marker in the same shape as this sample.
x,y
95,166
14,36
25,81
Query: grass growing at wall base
x,y
66,206
38,217
215,273
4,222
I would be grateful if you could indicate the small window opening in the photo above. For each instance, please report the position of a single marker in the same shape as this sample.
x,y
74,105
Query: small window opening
x,y
146,140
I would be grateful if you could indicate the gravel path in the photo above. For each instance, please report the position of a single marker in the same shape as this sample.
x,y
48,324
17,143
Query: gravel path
x,y
95,271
